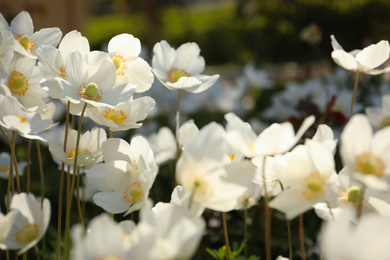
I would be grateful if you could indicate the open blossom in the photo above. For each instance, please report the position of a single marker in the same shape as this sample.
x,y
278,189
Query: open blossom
x,y
123,116
5,160
93,82
205,171
365,154
26,41
365,60
23,82
124,180
305,173
29,225
27,124
125,49
89,151
181,68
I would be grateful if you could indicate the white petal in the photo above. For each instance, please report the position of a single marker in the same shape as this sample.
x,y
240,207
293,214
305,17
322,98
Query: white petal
x,y
111,202
126,45
188,59
345,60
374,55
22,24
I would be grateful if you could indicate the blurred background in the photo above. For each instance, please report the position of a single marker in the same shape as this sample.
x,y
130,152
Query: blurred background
x,y
265,50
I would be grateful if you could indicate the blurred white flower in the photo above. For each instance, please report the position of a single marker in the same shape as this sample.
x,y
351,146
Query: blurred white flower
x,y
29,226
5,160
365,60
181,68
6,53
365,154
379,117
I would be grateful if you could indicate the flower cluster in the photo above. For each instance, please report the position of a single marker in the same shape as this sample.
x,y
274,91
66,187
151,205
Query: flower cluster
x,y
217,167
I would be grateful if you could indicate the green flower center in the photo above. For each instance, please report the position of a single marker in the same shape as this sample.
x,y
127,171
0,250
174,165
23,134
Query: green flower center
x,y
385,122
25,41
354,194
116,62
27,233
370,164
92,90
175,74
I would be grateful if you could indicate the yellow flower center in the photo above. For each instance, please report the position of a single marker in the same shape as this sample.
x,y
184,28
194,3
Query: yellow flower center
x,y
25,41
62,72
133,193
4,169
312,185
27,233
367,163
385,122
120,65
175,74
17,83
90,91
22,119
117,116
72,153
352,195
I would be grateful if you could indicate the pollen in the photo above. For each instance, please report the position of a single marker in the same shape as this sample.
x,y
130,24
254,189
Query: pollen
x,y
350,195
22,119
62,72
385,122
367,163
313,185
27,233
17,83
117,116
25,41
133,193
120,65
231,156
90,91
175,74
72,153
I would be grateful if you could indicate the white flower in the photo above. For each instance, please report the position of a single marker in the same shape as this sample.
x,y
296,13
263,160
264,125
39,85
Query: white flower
x,y
205,172
127,175
23,82
305,173
6,53
366,155
30,225
6,222
28,125
125,49
89,151
26,41
380,116
5,160
181,68
93,82
366,239
365,60
124,116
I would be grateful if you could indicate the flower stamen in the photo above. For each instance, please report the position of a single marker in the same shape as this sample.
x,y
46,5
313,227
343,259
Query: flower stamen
x,y
27,233
117,116
367,163
175,74
17,83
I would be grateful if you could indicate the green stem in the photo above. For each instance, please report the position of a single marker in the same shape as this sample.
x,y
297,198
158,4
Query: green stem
x,y
58,246
11,171
41,172
354,91
173,179
110,134
225,232
5,135
69,198
245,232
28,166
267,212
288,229
302,237
78,196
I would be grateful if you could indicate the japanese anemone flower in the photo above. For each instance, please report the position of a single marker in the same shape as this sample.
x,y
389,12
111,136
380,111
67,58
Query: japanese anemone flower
x,y
181,68
365,60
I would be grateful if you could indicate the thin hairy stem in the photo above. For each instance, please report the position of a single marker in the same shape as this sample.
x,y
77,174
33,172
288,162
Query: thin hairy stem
x,y
28,166
354,91
302,237
267,213
225,233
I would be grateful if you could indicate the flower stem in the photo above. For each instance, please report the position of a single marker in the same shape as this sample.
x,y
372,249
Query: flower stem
x,y
41,172
28,166
225,232
354,91
290,252
177,135
245,232
78,195
58,248
5,135
302,237
267,212
11,171
70,194
110,134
